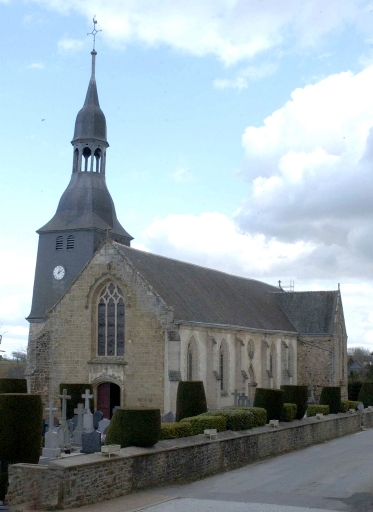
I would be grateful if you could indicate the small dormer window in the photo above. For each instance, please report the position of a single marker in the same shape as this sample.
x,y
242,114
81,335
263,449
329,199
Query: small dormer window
x,y
59,243
70,242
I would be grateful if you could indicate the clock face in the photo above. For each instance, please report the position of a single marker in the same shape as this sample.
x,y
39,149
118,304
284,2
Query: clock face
x,y
59,272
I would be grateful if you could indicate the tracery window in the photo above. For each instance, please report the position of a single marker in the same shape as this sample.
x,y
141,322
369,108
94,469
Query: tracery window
x,y
110,321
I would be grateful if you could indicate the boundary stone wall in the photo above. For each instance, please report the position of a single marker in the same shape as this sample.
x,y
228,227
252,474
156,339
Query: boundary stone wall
x,y
86,479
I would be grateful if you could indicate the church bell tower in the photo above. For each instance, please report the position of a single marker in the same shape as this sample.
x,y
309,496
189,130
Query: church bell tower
x,y
85,214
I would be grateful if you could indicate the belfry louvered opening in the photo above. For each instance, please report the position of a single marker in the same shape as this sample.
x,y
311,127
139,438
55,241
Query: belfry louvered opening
x,y
70,242
59,243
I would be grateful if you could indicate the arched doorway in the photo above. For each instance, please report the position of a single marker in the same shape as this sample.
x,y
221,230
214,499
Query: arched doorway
x,y
108,397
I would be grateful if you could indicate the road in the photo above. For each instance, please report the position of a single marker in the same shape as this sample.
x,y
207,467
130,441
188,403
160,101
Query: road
x,y
337,475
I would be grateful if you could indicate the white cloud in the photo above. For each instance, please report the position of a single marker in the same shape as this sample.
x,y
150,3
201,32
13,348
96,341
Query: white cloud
x,y
36,65
231,30
244,76
309,169
70,45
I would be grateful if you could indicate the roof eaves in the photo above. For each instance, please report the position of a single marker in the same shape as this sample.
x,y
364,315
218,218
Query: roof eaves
x,y
233,327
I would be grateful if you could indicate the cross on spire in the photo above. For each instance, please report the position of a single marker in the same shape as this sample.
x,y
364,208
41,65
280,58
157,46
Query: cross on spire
x,y
94,32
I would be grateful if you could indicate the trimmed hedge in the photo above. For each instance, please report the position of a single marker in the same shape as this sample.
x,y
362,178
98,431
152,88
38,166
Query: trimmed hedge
x,y
236,420
352,404
134,427
175,430
366,394
331,395
76,391
289,412
21,420
200,423
344,406
271,400
260,414
191,399
297,395
312,410
13,386
354,390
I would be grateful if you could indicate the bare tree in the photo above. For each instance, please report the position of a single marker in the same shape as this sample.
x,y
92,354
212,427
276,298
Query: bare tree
x,y
360,354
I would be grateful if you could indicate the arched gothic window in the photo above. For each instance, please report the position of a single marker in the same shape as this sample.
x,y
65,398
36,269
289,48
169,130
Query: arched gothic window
x,y
223,367
192,360
110,321
250,349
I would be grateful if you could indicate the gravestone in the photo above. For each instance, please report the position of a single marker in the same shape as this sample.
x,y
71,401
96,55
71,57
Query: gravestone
x,y
51,448
88,416
103,425
243,400
77,434
97,417
64,431
236,395
168,418
91,442
71,426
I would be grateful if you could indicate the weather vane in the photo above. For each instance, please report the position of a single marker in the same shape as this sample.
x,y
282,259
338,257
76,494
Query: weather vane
x,y
94,31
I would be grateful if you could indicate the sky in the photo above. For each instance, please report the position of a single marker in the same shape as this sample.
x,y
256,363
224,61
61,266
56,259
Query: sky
x,y
240,131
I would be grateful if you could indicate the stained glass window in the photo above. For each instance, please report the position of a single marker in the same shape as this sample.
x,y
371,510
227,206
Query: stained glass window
x,y
110,321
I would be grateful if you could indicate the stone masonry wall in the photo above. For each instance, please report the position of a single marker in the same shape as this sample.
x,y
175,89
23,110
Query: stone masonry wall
x,y
92,478
70,338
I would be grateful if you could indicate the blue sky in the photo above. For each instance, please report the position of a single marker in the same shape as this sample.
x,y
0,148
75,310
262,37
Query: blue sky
x,y
239,137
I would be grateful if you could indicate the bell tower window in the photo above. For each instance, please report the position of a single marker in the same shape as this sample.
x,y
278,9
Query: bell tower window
x,y
59,243
110,321
70,242
86,155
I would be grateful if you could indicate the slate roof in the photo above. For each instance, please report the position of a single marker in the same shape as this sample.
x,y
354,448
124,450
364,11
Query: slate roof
x,y
90,122
200,294
86,203
310,312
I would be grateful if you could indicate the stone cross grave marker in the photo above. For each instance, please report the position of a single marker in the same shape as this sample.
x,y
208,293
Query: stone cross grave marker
x,y
51,448
77,435
243,400
64,431
236,395
88,416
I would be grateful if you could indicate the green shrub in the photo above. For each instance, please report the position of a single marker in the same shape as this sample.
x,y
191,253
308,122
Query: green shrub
x,y
191,399
13,386
331,395
21,420
176,430
366,394
297,395
134,427
271,400
289,412
200,423
345,405
352,404
312,410
260,414
354,390
3,484
236,419
76,391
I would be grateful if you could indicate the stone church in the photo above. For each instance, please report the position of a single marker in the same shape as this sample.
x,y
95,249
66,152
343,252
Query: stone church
x,y
133,324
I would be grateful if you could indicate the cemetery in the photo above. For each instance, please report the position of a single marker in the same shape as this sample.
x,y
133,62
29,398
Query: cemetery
x,y
85,459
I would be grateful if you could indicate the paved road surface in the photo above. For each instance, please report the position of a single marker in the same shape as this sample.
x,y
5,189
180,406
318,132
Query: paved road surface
x,y
337,475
